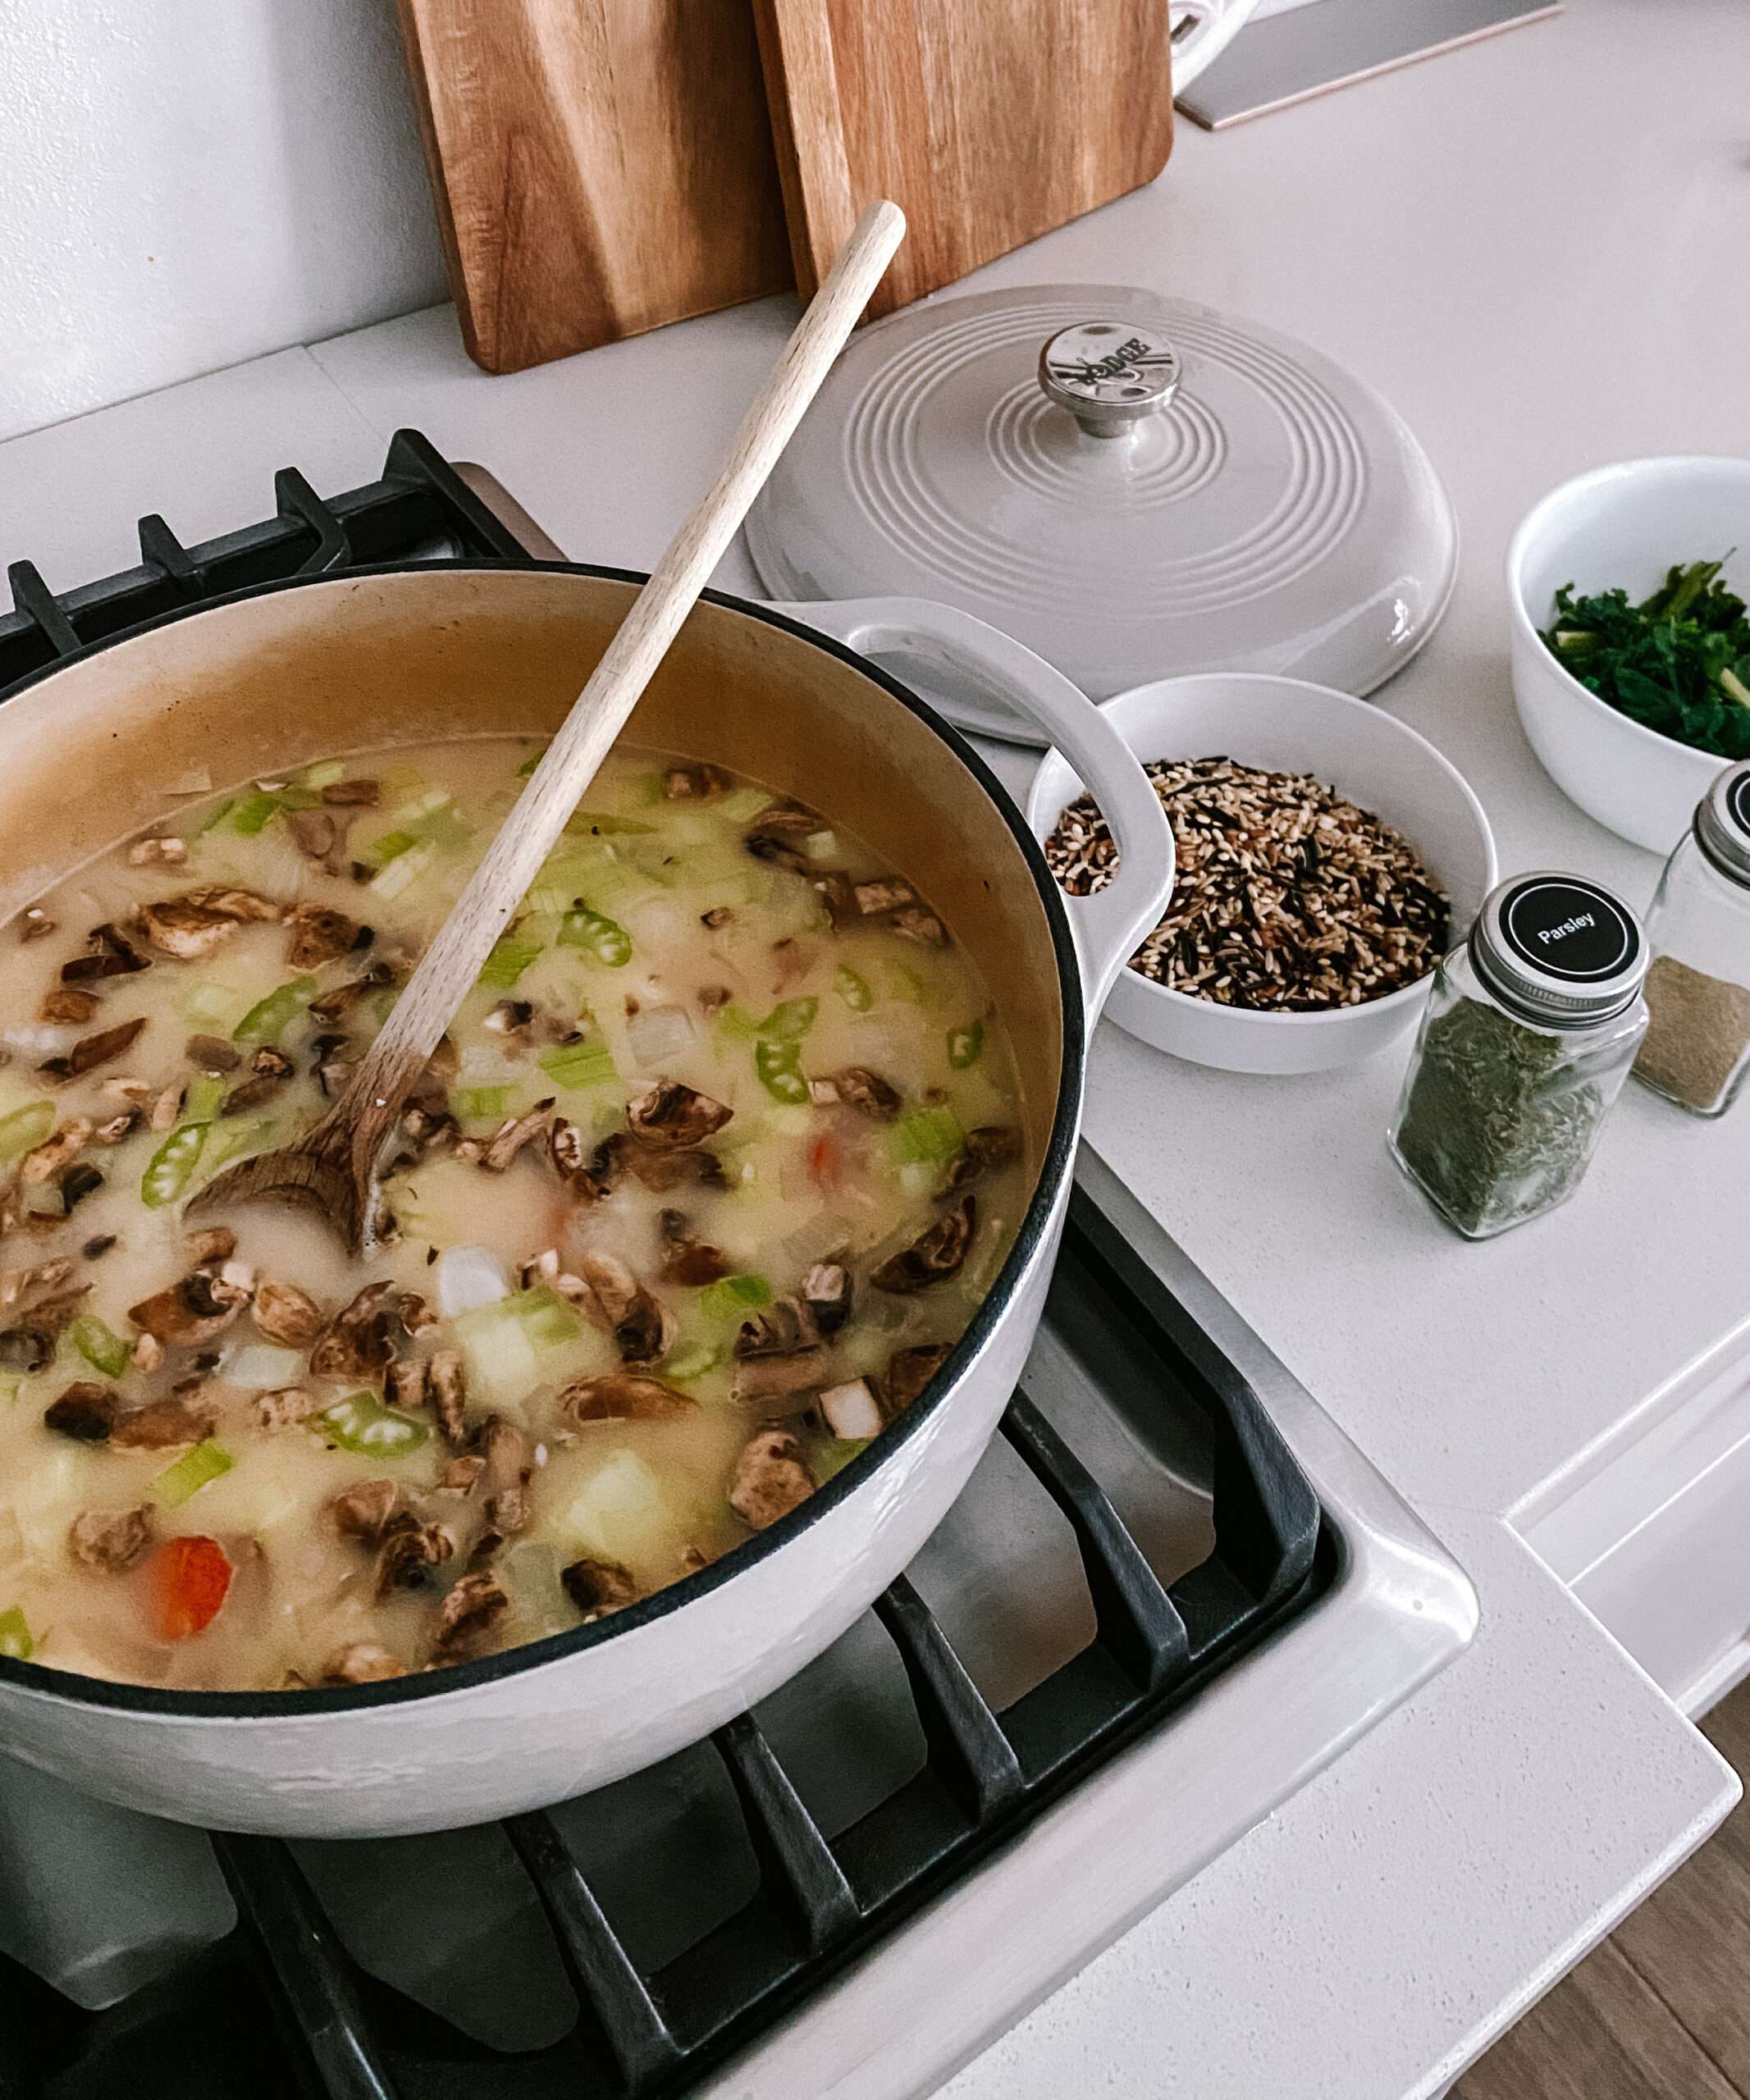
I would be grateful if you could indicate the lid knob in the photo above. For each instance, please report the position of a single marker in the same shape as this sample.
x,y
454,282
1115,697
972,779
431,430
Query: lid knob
x,y
1108,374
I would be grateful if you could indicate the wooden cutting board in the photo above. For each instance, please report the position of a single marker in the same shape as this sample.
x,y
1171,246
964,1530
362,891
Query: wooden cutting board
x,y
601,167
990,122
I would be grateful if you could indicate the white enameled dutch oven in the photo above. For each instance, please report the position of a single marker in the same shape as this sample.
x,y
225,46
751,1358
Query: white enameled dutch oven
x,y
259,681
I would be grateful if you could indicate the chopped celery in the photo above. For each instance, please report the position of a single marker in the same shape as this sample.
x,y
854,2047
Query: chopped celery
x,y
189,1474
24,1128
231,1140
745,804
854,990
686,1364
14,1636
214,1006
733,1298
216,816
822,845
268,1019
391,845
362,1423
510,957
171,1166
549,1320
965,1045
480,1104
201,1099
404,871
574,1065
608,942
925,1136
100,1345
323,775
251,813
779,1066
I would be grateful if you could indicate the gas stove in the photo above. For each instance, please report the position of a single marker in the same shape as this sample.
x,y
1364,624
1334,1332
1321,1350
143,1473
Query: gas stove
x,y
1171,1591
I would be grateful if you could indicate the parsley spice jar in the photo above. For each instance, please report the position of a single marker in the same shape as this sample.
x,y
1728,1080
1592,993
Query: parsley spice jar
x,y
1698,1047
1531,1028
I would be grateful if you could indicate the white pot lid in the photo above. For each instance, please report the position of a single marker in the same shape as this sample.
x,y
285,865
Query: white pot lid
x,y
1173,491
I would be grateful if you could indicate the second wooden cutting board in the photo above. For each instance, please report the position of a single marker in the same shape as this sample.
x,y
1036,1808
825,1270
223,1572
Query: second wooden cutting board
x,y
989,121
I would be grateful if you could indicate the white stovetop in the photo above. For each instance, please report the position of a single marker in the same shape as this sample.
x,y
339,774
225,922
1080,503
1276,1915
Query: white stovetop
x,y
1521,244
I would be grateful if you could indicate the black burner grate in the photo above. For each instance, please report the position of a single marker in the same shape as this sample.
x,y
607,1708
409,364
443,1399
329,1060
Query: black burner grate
x,y
819,1901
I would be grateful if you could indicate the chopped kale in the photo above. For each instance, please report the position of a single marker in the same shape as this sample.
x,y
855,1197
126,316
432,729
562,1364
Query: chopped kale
x,y
1678,662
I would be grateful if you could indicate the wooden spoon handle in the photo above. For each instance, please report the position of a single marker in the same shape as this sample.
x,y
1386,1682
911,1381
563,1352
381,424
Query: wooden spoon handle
x,y
453,961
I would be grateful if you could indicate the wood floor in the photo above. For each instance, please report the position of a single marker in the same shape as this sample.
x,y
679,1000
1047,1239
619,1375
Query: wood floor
x,y
1661,2010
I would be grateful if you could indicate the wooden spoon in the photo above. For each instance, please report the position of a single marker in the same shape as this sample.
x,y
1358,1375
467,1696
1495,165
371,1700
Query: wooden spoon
x,y
333,1166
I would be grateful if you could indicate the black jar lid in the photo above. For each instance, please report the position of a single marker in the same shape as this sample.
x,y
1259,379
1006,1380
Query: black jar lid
x,y
1722,823
1559,949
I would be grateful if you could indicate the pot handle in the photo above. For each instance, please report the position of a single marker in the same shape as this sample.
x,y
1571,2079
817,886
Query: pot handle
x,y
1109,925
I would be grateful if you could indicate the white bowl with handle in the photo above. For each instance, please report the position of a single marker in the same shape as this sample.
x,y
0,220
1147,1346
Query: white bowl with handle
x,y
1622,525
1285,725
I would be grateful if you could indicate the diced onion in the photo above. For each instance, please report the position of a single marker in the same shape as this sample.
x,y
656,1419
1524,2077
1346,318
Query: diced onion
x,y
658,1035
39,1039
464,1278
263,1368
850,1410
821,1235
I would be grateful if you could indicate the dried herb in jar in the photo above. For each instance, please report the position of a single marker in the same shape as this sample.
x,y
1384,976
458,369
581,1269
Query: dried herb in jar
x,y
1700,1029
1489,1127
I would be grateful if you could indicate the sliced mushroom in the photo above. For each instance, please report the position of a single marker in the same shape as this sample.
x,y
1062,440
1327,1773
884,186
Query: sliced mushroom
x,y
360,794
340,999
213,1054
360,1337
157,853
909,1370
673,1116
597,1587
781,852
696,783
92,1051
837,894
86,1412
565,1150
461,1476
886,893
514,1136
772,1477
780,1329
319,934
986,1148
110,953
46,1160
510,1510
30,1345
936,1255
284,1408
404,1382
116,1128
67,1006
470,1614
868,1093
409,1550
212,1243
764,1379
640,1328
361,1511
921,926
826,1292
252,1092
624,1396
232,903
22,1287
364,1662
314,833
188,1314
790,819
162,1425
110,1540
447,1390
622,1156
427,1133
80,1180
688,1260
286,1315
851,1410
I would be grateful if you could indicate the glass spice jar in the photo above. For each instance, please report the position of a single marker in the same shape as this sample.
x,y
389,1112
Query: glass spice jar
x,y
1530,1027
1698,1047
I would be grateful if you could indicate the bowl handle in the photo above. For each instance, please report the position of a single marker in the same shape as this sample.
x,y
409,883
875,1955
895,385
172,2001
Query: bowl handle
x,y
1109,925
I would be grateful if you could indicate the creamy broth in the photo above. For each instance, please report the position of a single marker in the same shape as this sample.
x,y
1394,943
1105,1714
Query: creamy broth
x,y
715,1160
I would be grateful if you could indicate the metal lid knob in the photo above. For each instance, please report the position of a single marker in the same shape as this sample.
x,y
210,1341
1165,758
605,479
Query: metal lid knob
x,y
1108,374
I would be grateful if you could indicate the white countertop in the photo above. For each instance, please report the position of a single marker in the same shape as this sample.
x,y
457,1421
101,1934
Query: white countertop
x,y
1521,244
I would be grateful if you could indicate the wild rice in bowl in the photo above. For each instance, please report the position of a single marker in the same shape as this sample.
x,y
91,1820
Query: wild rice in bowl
x,y
1288,897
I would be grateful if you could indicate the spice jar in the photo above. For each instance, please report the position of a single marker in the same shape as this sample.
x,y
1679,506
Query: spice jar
x,y
1698,1046
1532,1026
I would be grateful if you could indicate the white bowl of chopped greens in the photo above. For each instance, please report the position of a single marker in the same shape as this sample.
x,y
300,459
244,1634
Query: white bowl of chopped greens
x,y
1631,645
1288,801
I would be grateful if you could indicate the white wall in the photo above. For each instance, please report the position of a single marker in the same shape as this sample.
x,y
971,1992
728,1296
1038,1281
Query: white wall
x,y
187,183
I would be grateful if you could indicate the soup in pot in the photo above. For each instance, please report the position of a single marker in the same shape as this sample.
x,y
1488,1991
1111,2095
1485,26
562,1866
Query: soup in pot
x,y
713,1167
